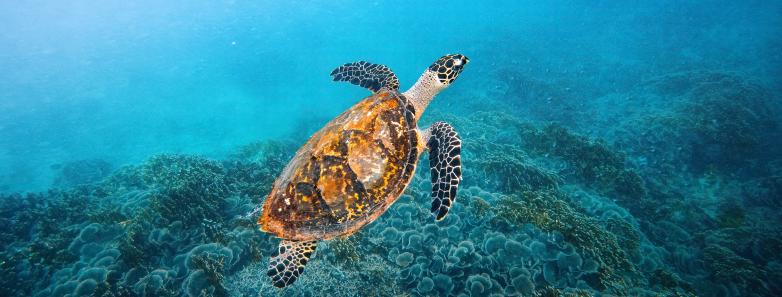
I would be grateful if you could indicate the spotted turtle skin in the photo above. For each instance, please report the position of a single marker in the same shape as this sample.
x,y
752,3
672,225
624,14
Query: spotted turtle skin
x,y
348,173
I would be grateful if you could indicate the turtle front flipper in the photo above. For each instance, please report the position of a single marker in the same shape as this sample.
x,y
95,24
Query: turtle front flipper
x,y
374,77
445,163
287,264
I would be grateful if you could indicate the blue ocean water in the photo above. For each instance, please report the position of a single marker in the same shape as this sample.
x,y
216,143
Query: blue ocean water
x,y
609,147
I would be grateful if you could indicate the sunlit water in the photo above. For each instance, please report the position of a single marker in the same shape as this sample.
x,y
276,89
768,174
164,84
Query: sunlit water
x,y
686,92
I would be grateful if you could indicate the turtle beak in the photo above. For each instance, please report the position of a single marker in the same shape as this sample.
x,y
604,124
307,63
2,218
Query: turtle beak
x,y
460,59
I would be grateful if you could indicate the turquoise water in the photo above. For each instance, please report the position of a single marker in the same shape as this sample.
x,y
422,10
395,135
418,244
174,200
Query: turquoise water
x,y
610,148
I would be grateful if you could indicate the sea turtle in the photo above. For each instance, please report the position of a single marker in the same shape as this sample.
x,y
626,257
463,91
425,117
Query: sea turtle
x,y
351,171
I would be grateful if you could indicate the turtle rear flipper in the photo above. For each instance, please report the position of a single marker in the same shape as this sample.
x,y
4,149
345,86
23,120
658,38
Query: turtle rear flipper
x,y
374,77
288,262
445,164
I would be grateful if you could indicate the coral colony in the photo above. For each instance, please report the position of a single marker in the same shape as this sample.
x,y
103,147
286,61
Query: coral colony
x,y
544,211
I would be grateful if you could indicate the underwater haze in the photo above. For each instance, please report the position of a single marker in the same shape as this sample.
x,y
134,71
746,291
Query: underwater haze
x,y
609,148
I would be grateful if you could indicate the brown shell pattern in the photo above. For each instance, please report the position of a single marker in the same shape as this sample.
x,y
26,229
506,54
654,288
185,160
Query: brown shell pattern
x,y
347,174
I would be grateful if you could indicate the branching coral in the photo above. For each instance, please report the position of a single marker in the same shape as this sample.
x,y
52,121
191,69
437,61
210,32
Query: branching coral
x,y
253,169
55,224
592,161
510,169
479,206
549,212
122,180
53,250
186,175
191,189
344,251
549,291
18,215
627,235
671,283
212,265
726,265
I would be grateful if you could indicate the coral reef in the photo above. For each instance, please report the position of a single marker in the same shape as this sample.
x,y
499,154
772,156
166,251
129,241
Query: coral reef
x,y
550,213
82,172
544,210
670,282
506,168
661,215
709,120
727,266
169,227
590,161
255,166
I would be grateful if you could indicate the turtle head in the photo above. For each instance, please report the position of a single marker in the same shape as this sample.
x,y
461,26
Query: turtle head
x,y
448,67
436,78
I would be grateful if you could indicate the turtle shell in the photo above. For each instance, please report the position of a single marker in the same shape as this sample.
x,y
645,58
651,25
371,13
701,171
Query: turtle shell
x,y
348,173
